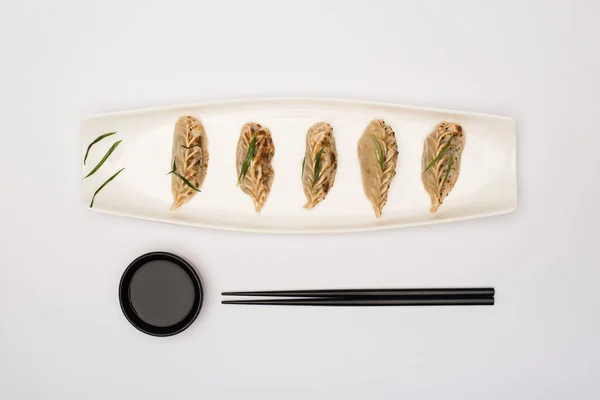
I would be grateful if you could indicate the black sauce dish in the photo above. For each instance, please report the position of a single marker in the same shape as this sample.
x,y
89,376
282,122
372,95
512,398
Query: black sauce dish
x,y
160,294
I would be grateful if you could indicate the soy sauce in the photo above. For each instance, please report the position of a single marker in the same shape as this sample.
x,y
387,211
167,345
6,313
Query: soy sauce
x,y
160,294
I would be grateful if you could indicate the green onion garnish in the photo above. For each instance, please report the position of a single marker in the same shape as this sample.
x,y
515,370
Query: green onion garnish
x,y
438,156
104,184
177,174
317,170
249,157
99,138
303,162
108,153
379,152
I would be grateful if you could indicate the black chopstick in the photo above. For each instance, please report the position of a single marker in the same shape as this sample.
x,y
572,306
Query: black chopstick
x,y
409,293
370,297
361,302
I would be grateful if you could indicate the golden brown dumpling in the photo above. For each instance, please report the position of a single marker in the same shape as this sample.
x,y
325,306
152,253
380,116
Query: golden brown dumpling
x,y
377,154
189,161
255,151
440,163
320,163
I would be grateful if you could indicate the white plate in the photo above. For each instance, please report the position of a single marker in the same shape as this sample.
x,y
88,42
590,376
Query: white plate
x,y
487,184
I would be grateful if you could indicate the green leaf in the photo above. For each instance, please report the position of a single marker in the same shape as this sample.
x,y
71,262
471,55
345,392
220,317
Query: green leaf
x,y
99,138
102,186
249,157
438,156
185,180
448,171
379,152
317,170
174,172
174,168
108,153
303,162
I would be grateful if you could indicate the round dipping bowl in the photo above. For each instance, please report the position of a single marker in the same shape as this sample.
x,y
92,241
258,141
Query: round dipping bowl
x,y
160,294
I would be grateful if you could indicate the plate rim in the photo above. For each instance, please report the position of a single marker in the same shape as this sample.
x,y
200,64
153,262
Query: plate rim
x,y
239,100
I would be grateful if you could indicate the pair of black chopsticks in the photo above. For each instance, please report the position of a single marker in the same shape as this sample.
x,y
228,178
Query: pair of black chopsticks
x,y
371,297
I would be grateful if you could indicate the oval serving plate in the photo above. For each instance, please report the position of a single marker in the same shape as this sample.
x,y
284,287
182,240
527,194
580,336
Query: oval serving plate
x,y
487,184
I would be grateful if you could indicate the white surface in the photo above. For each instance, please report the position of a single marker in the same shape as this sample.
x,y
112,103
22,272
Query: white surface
x,y
62,335
487,184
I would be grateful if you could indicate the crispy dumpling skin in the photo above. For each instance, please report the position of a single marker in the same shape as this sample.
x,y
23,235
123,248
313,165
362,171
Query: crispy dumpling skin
x,y
320,163
377,154
440,163
190,158
257,180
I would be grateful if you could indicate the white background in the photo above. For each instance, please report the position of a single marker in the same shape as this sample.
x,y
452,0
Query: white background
x,y
62,333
